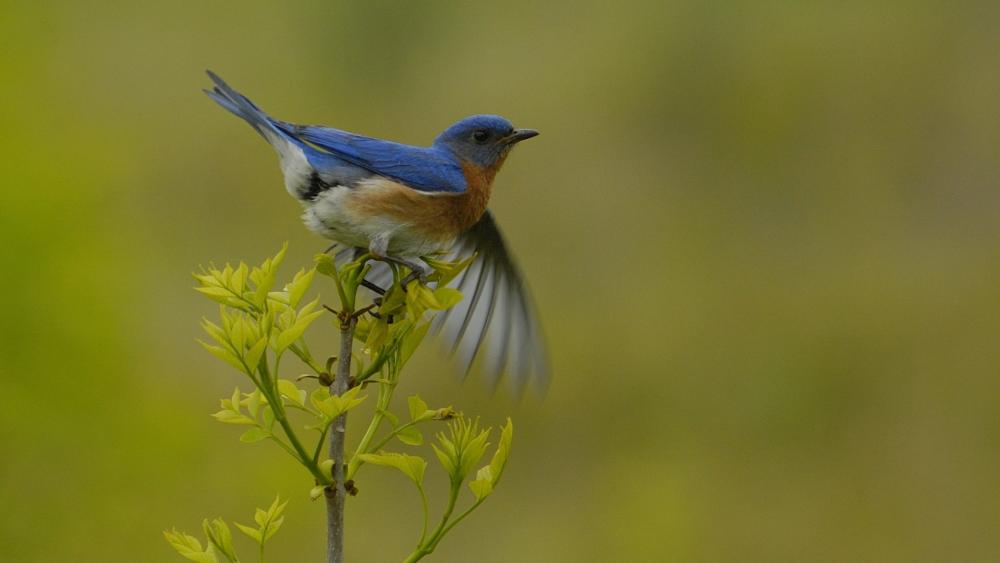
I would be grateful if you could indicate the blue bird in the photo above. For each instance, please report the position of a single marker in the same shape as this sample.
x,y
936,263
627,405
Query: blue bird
x,y
400,202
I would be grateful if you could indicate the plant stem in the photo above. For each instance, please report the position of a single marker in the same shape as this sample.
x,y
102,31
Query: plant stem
x,y
337,494
385,391
427,547
277,407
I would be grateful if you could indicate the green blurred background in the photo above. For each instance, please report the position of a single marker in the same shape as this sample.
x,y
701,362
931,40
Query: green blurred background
x,y
764,237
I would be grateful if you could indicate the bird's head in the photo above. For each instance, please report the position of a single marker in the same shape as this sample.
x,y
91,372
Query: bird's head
x,y
483,140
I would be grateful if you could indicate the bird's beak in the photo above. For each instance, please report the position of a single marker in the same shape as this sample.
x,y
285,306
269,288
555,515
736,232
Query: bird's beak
x,y
520,134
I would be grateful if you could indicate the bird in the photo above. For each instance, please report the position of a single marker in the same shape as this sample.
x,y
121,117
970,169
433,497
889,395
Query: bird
x,y
400,202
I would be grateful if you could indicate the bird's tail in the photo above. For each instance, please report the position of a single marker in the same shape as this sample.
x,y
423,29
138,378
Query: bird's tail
x,y
241,106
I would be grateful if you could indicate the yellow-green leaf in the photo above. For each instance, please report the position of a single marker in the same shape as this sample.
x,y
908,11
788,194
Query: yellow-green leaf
x,y
224,355
232,417
254,533
254,434
189,547
294,332
418,408
447,297
217,532
446,456
499,460
482,486
256,352
410,436
291,392
299,285
412,466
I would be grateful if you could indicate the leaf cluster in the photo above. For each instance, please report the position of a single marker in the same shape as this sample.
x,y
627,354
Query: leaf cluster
x,y
258,325
219,538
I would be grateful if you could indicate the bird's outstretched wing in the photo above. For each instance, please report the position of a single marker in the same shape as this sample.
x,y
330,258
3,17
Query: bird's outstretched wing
x,y
495,323
423,168
496,319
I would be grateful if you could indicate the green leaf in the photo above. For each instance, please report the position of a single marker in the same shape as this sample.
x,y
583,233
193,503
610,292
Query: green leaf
x,y
273,527
410,436
446,456
447,297
189,547
482,486
332,406
224,355
256,352
232,417
299,285
291,392
238,282
411,465
253,402
447,271
221,538
254,533
271,519
347,401
317,397
254,434
215,332
294,332
463,449
325,265
499,460
276,508
220,295
238,335
418,408
473,452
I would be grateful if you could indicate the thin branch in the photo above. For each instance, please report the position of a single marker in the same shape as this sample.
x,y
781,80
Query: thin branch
x,y
336,495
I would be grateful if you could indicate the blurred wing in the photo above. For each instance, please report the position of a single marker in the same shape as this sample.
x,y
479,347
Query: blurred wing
x,y
422,168
496,320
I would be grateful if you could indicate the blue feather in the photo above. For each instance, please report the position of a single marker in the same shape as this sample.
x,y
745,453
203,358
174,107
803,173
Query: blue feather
x,y
331,169
428,169
344,158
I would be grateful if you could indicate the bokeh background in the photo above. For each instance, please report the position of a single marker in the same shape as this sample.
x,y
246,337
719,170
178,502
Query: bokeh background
x,y
763,236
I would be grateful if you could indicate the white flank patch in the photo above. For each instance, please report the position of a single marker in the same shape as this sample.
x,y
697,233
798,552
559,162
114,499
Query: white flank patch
x,y
294,165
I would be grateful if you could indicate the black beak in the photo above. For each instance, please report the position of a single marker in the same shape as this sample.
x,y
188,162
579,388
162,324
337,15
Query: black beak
x,y
521,134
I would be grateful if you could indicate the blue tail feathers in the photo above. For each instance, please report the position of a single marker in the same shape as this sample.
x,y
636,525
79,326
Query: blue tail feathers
x,y
241,106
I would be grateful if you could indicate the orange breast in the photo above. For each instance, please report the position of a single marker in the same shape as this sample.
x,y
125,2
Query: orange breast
x,y
435,215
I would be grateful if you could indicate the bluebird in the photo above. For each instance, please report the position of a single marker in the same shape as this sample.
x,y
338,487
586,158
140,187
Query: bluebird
x,y
400,202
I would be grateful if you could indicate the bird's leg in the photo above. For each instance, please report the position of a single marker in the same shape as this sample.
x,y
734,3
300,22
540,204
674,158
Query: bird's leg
x,y
379,248
373,287
415,273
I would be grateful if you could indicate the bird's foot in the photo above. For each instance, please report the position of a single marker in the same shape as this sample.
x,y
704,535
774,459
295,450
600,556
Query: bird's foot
x,y
417,273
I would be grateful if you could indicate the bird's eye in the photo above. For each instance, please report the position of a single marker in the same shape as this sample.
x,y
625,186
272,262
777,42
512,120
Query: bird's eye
x,y
481,136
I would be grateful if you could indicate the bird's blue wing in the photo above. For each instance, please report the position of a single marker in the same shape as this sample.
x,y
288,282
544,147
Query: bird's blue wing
x,y
423,168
